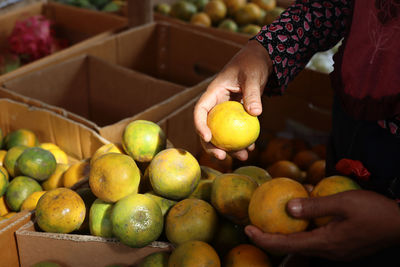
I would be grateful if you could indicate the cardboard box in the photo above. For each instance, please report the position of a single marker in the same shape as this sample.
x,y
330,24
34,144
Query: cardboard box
x,y
160,51
81,27
72,250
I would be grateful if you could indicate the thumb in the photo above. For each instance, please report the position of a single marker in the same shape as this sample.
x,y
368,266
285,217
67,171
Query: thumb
x,y
252,96
313,207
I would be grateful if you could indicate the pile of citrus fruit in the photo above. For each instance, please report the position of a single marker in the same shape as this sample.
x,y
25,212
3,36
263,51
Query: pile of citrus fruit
x,y
244,16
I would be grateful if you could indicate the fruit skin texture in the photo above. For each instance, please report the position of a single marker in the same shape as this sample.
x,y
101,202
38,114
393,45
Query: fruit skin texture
x,y
114,176
216,10
258,174
37,163
142,140
232,127
158,259
31,201
183,10
60,210
104,149
10,160
201,19
267,208
20,137
56,179
100,218
19,189
164,204
191,219
247,255
329,186
286,168
231,194
194,254
3,182
174,173
137,220
75,173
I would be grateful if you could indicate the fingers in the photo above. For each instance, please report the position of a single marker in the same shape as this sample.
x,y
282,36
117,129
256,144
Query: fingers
x,y
211,149
314,207
252,95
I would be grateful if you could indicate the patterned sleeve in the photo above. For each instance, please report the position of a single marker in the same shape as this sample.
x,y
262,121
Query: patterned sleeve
x,y
306,27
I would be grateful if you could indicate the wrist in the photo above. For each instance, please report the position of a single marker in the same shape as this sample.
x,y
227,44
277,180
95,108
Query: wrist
x,y
262,52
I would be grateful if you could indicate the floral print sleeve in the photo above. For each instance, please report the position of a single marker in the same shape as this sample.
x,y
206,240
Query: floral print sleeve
x,y
306,27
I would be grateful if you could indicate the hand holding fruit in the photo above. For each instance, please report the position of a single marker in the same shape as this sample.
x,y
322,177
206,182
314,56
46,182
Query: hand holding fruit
x,y
368,222
246,74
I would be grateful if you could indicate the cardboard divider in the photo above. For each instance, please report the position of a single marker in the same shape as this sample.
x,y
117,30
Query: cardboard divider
x,y
71,250
81,27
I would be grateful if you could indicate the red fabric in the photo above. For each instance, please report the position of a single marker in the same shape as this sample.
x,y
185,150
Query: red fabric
x,y
351,167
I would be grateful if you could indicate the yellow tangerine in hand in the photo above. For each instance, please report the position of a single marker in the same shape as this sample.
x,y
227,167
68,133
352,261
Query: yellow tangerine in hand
x,y
232,127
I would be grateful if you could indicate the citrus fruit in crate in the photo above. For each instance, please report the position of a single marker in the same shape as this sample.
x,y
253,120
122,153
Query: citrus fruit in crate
x,y
272,15
114,176
104,149
100,218
191,219
60,210
4,172
88,198
267,208
305,158
203,190
329,186
2,156
286,168
250,29
228,25
31,201
232,127
183,10
20,137
142,140
194,254
234,5
265,4
278,148
216,10
58,153
248,14
56,179
19,189
46,264
247,255
209,173
163,8
201,19
10,160
3,206
258,174
3,182
76,172
37,163
158,259
231,194
174,173
200,4
316,172
137,220
164,203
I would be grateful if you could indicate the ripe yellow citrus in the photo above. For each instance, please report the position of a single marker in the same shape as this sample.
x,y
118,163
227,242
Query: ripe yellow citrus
x,y
232,127
31,201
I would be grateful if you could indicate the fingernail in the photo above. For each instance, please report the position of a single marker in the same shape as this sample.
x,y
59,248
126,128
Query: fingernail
x,y
249,232
295,207
255,108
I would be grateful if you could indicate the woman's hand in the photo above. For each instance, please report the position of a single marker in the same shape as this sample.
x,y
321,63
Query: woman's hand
x,y
367,222
245,76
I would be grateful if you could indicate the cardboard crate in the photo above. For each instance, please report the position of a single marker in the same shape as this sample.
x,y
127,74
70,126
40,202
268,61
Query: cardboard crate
x,y
80,26
160,51
72,250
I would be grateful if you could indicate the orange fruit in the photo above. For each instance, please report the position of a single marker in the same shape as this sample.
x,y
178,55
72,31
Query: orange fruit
x,y
248,14
76,172
228,25
210,161
258,174
31,201
285,168
194,254
203,190
20,137
100,218
277,149
316,172
19,189
60,210
209,173
5,172
329,186
37,163
231,194
3,206
267,208
10,160
57,178
272,15
183,10
46,264
201,19
163,8
114,176
137,220
200,4
320,150
228,236
234,5
232,127
250,29
303,159
58,153
48,146
174,173
2,156
265,4
3,182
247,255
142,140
191,219
104,149
216,10
158,259
164,203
